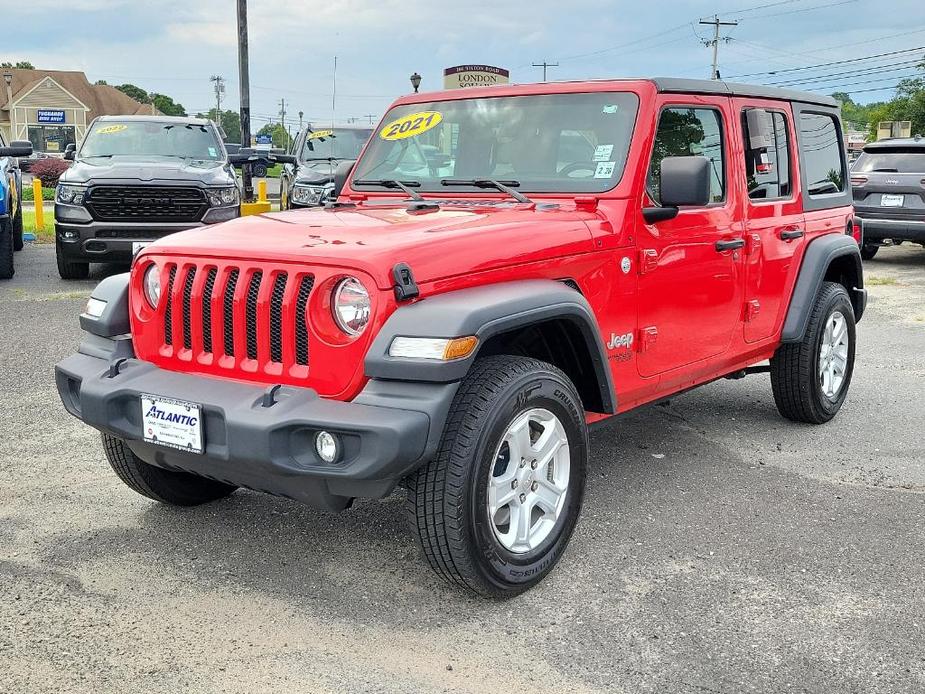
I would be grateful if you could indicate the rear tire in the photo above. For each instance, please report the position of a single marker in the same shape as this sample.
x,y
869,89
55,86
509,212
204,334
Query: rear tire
x,y
463,504
166,486
6,250
868,251
810,378
69,269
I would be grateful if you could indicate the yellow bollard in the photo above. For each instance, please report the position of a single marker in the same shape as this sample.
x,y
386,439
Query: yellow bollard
x,y
262,204
262,190
39,207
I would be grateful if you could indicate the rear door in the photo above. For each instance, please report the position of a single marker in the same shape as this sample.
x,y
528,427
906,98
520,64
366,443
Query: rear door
x,y
775,230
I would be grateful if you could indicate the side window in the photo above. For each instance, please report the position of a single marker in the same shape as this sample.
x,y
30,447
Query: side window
x,y
767,171
820,148
683,132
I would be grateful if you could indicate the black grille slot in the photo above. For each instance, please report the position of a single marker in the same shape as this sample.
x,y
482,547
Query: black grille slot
x,y
250,314
147,203
276,318
168,313
229,311
301,324
187,300
207,310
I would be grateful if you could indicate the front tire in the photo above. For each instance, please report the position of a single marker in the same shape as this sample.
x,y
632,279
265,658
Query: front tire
x,y
70,269
18,242
810,378
868,251
166,486
496,507
6,250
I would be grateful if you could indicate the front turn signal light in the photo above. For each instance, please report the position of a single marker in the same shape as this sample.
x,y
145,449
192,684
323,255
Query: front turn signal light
x,y
436,348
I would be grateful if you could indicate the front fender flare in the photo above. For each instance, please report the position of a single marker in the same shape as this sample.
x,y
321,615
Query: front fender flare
x,y
485,312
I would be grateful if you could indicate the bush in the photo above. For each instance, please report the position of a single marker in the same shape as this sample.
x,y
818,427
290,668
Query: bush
x,y
48,171
28,196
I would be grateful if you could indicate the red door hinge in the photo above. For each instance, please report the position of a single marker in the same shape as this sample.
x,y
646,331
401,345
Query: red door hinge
x,y
647,337
752,244
648,260
752,308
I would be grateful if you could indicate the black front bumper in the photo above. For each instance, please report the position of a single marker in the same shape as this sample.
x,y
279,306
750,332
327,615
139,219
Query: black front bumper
x,y
246,443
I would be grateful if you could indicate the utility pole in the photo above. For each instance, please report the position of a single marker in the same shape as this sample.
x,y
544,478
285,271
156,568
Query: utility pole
x,y
282,117
219,91
545,65
714,75
245,88
301,113
371,117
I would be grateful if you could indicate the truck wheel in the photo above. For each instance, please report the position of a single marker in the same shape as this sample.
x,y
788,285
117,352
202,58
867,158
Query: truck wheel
x,y
167,486
810,378
18,242
260,170
6,250
495,508
868,251
69,269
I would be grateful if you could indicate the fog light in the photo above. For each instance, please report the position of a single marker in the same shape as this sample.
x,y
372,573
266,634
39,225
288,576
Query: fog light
x,y
327,446
95,307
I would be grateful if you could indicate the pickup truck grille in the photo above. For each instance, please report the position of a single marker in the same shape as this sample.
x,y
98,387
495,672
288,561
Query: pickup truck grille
x,y
146,203
250,318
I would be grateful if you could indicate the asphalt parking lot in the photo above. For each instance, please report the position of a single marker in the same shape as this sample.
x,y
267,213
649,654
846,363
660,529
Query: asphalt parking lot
x,y
721,549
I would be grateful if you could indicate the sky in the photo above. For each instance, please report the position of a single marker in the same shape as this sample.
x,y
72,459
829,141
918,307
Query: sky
x,y
174,46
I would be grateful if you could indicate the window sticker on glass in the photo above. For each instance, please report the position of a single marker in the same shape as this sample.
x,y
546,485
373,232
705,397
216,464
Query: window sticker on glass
x,y
603,153
604,169
318,134
112,129
610,109
213,152
412,125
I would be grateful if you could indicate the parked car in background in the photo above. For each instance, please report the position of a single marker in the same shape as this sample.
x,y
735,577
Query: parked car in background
x,y
136,179
455,334
889,192
309,180
11,223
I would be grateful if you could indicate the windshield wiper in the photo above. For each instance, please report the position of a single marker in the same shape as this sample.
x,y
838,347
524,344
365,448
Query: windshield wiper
x,y
885,170
404,186
503,186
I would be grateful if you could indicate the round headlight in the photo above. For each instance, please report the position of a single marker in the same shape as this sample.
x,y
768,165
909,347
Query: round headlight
x,y
152,285
351,305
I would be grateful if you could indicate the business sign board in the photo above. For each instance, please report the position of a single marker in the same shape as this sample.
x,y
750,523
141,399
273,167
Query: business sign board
x,y
44,115
462,76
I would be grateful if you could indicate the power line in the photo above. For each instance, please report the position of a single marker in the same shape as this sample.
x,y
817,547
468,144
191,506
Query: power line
x,y
904,65
545,65
834,62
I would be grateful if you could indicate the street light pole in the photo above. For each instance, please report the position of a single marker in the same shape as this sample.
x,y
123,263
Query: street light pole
x,y
415,81
245,89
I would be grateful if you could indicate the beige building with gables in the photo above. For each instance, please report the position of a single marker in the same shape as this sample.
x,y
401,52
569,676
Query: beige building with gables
x,y
52,108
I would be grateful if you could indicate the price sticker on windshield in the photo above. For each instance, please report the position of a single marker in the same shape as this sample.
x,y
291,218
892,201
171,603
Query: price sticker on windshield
x,y
318,134
109,129
412,125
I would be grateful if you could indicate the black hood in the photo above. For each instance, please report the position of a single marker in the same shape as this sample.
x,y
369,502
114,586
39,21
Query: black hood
x,y
147,169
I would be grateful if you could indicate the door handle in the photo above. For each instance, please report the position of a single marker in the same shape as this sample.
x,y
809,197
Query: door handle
x,y
730,245
790,234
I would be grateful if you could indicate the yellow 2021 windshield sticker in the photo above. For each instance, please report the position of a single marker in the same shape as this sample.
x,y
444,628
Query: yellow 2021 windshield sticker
x,y
318,134
409,126
112,129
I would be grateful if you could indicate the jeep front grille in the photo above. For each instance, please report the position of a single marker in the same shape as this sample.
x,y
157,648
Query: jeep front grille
x,y
258,314
110,203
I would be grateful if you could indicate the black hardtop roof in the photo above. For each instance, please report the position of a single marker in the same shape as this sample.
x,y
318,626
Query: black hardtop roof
x,y
691,86
917,142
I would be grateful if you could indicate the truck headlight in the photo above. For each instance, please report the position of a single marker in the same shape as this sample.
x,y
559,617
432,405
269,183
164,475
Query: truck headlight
x,y
152,285
220,197
308,195
351,305
69,195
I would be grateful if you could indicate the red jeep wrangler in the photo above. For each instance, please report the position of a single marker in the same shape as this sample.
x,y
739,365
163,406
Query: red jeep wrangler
x,y
503,266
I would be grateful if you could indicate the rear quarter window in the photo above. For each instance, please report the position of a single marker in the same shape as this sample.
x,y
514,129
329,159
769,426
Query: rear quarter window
x,y
820,149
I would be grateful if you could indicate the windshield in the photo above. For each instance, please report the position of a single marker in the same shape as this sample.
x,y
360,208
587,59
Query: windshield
x,y
893,161
569,143
339,143
150,138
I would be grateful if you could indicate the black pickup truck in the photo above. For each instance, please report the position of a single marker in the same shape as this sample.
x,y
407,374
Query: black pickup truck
x,y
136,179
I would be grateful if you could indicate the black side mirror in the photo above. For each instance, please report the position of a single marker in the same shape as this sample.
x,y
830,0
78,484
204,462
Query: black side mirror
x,y
685,182
17,148
282,158
70,152
341,174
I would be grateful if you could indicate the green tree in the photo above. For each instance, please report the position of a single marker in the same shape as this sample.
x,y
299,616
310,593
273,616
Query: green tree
x,y
166,105
20,65
101,83
230,122
278,133
137,93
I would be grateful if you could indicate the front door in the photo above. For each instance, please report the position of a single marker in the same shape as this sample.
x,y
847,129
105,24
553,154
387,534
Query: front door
x,y
775,225
690,282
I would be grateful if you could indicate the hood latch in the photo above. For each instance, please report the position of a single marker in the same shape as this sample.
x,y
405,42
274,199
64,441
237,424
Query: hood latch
x,y
405,286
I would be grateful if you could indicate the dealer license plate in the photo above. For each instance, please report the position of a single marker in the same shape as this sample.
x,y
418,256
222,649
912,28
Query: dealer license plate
x,y
138,245
172,423
891,200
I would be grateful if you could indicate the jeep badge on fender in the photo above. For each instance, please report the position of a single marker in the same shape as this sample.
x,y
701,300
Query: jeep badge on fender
x,y
499,268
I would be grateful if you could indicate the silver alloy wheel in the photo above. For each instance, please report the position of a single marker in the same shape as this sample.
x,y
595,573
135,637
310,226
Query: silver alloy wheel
x,y
833,355
528,483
